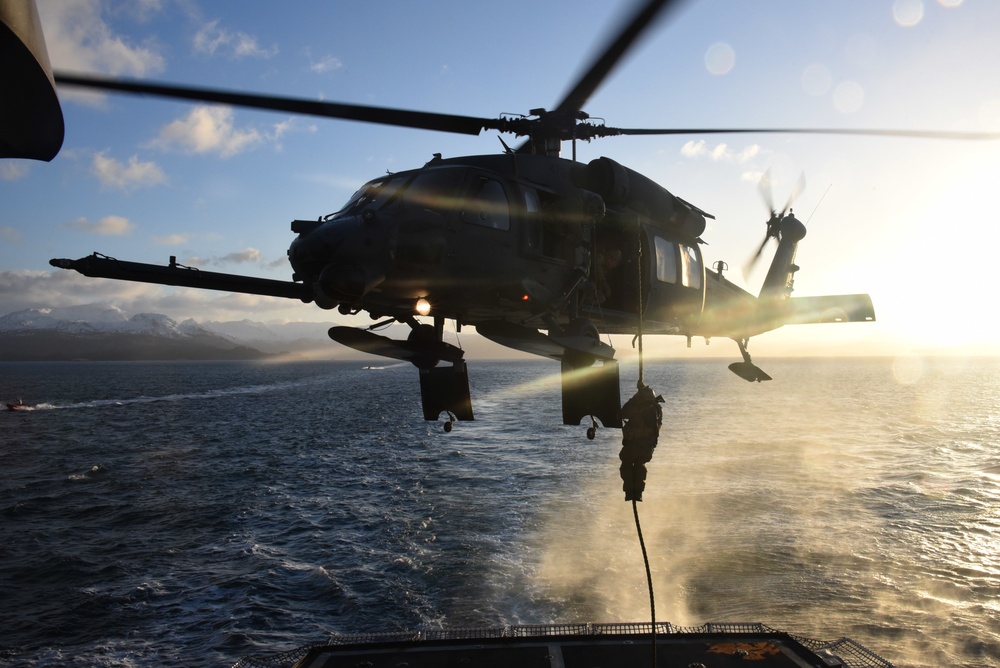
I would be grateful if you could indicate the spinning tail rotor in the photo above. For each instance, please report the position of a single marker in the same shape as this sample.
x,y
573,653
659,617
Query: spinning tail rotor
x,y
774,222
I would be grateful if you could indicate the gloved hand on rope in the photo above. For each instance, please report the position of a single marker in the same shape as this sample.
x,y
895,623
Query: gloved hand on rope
x,y
642,417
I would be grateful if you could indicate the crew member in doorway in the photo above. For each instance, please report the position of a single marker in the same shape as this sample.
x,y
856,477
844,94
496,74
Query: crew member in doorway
x,y
606,273
642,418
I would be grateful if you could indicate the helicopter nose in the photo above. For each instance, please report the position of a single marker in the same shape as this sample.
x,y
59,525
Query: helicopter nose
x,y
312,249
348,283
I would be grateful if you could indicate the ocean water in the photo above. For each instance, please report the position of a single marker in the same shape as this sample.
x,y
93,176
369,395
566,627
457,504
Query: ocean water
x,y
190,514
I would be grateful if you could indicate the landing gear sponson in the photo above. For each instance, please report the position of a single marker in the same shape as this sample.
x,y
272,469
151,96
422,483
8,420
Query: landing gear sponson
x,y
590,385
442,388
590,382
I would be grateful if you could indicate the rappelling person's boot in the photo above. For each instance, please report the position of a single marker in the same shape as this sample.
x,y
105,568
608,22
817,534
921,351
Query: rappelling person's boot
x,y
633,480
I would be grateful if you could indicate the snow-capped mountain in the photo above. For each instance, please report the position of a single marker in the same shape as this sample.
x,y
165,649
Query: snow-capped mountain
x,y
94,318
102,331
70,318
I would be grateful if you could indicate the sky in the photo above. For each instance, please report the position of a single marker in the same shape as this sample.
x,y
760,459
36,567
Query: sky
x,y
915,223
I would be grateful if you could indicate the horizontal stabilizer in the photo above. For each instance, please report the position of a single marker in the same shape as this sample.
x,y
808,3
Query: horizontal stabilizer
x,y
830,308
749,371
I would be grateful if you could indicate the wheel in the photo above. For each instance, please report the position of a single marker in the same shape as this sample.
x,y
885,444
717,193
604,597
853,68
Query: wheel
x,y
447,427
582,327
591,433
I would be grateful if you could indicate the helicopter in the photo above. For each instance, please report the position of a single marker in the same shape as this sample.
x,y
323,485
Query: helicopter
x,y
539,253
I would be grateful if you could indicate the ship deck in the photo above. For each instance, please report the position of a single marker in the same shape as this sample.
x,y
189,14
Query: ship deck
x,y
581,646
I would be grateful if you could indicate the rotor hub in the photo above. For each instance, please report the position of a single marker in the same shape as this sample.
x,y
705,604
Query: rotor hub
x,y
792,228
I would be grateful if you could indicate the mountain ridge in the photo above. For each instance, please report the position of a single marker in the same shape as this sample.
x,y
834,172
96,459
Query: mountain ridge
x,y
107,333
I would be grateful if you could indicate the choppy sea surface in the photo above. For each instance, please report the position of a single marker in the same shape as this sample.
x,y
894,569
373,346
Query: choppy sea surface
x,y
190,514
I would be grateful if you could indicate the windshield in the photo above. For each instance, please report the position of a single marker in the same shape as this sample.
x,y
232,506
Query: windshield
x,y
372,195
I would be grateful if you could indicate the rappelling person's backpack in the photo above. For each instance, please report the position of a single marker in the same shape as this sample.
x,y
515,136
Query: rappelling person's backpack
x,y
644,417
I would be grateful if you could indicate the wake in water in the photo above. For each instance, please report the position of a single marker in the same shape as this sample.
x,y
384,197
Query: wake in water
x,y
267,388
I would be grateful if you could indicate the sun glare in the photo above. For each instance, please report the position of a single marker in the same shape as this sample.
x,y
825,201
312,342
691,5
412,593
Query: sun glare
x,y
936,287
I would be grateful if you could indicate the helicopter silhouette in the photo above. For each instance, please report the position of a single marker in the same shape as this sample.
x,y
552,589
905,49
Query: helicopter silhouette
x,y
539,253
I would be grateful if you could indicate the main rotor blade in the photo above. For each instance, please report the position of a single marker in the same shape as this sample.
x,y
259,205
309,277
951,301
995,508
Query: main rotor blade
x,y
611,55
800,186
764,188
916,134
399,117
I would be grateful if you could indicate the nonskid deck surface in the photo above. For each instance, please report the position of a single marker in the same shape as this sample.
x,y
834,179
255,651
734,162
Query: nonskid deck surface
x,y
580,646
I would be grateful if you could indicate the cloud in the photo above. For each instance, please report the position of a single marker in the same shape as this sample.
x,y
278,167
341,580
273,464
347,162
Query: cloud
x,y
752,176
280,263
139,10
22,289
248,255
77,38
10,235
211,38
251,255
693,149
282,128
211,129
114,174
12,170
720,152
108,226
207,129
326,64
172,240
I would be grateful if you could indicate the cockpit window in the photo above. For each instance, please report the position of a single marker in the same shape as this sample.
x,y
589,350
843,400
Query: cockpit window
x,y
433,190
666,260
533,226
367,190
691,270
487,204
372,195
531,202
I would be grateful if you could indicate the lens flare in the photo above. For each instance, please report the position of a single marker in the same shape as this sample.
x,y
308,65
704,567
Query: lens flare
x,y
816,79
908,13
848,97
720,59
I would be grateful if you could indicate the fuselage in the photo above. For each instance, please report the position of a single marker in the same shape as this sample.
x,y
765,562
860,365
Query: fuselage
x,y
510,237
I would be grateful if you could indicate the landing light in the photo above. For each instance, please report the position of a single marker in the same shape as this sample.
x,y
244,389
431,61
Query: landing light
x,y
423,306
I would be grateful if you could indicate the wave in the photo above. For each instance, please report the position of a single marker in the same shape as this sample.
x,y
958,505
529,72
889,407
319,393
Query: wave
x,y
266,388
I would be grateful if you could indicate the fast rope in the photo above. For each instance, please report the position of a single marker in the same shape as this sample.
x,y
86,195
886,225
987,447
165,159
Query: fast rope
x,y
649,580
640,470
